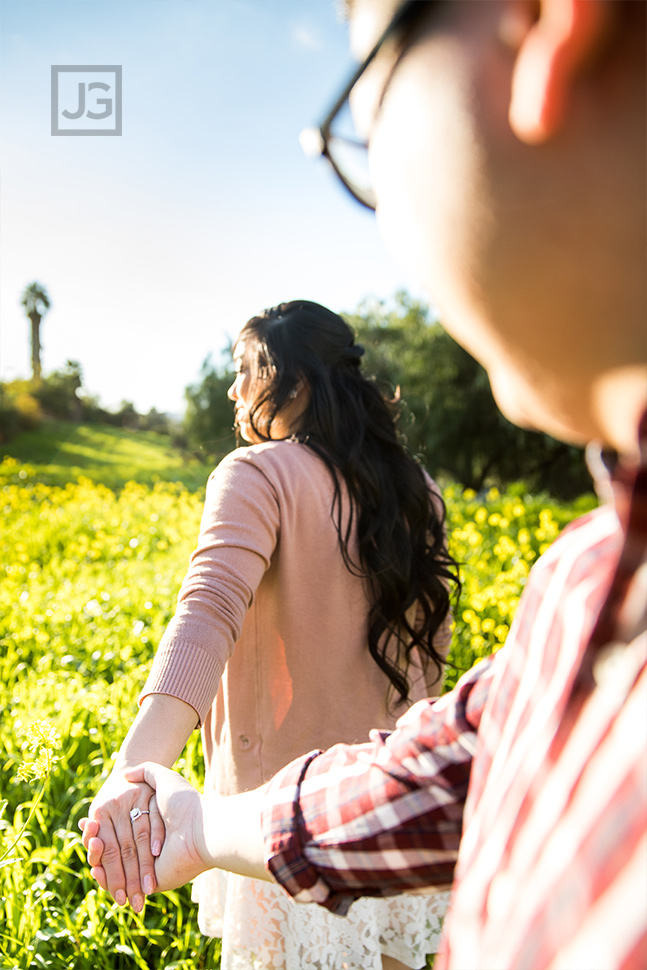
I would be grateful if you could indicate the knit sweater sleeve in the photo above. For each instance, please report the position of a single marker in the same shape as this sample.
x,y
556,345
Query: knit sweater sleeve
x,y
238,535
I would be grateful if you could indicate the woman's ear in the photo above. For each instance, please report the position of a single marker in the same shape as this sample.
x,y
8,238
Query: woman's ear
x,y
557,46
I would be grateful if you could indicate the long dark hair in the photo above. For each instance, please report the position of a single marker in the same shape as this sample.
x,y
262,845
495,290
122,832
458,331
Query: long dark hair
x,y
401,539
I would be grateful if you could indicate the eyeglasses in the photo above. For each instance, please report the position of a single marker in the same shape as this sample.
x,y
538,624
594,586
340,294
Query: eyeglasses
x,y
336,138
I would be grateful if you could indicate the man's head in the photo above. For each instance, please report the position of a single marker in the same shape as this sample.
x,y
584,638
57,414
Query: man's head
x,y
507,152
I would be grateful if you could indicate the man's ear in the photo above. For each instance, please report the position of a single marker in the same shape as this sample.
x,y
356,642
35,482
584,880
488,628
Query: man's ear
x,y
552,53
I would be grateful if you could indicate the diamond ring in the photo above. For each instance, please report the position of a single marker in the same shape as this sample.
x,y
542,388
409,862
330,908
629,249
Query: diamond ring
x,y
136,812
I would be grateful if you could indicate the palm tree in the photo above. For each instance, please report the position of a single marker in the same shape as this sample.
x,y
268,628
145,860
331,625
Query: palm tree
x,y
36,303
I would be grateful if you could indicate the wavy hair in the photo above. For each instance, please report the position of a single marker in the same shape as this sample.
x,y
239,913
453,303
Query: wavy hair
x,y
400,528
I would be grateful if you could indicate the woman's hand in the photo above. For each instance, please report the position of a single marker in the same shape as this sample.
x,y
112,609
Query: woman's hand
x,y
183,855
122,849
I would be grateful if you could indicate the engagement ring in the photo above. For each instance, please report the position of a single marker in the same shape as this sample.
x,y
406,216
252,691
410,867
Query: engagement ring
x,y
136,812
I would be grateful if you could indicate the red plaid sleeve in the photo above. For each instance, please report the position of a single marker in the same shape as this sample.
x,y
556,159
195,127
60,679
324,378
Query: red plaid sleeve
x,y
383,817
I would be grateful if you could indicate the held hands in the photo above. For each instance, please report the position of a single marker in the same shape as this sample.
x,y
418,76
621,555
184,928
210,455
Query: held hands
x,y
183,855
121,847
123,835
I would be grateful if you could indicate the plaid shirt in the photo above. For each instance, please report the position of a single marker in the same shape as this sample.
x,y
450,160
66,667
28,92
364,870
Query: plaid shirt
x,y
538,756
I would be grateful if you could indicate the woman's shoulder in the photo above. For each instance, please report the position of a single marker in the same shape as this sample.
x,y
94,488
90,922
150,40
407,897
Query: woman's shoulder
x,y
273,458
285,472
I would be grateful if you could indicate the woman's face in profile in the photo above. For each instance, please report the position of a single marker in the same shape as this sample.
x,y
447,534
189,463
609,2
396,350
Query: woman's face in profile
x,y
243,392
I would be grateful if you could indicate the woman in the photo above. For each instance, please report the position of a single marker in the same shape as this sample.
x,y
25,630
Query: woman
x,y
322,560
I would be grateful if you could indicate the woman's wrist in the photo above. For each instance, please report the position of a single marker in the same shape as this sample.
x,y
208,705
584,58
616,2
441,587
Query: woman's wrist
x,y
159,732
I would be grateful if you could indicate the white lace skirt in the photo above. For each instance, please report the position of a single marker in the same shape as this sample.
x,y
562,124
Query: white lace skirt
x,y
263,929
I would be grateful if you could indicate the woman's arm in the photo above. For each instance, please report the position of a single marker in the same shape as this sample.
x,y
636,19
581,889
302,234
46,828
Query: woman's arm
x,y
158,733
237,537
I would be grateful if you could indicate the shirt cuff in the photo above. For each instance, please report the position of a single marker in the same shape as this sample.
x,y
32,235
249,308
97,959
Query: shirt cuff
x,y
284,858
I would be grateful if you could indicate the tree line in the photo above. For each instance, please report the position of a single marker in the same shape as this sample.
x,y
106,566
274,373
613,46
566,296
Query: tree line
x,y
25,403
447,414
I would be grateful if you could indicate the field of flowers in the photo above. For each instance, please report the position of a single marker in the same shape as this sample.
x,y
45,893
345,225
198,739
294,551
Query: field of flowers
x,y
89,581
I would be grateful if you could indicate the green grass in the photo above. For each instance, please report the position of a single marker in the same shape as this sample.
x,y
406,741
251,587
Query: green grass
x,y
89,577
60,452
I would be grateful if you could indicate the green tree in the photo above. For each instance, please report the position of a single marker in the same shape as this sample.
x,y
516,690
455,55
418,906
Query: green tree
x,y
209,419
156,421
449,416
36,302
57,393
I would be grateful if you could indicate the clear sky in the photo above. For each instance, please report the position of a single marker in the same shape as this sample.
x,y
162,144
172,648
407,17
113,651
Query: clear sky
x,y
156,246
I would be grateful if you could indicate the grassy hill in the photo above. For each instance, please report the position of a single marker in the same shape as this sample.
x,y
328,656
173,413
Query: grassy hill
x,y
59,452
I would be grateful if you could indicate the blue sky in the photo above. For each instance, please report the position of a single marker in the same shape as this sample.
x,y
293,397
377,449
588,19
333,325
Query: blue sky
x,y
158,245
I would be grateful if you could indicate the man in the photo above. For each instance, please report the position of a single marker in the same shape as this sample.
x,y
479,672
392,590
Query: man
x,y
507,157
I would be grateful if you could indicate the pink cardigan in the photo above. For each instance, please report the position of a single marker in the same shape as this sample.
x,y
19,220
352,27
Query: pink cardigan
x,y
268,578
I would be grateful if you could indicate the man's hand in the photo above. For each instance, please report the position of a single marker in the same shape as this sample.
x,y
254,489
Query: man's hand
x,y
202,832
183,855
